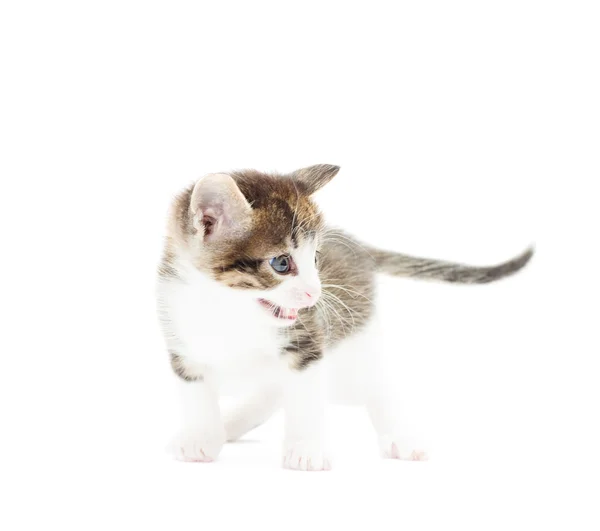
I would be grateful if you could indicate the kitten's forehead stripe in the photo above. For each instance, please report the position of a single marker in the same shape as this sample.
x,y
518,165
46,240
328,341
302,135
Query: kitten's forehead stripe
x,y
243,265
276,199
282,220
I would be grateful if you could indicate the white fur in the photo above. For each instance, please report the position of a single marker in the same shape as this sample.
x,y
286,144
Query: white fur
x,y
235,344
304,289
252,411
202,434
304,407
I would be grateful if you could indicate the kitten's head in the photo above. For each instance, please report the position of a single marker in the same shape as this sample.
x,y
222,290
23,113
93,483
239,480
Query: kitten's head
x,y
259,234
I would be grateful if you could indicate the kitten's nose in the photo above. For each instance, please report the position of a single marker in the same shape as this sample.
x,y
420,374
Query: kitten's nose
x,y
312,296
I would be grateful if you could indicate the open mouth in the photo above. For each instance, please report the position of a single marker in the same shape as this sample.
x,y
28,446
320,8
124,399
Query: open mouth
x,y
279,312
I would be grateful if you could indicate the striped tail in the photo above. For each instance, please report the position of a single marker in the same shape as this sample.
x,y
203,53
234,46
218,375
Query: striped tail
x,y
424,268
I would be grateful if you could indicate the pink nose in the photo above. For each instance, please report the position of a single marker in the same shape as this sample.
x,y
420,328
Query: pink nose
x,y
312,296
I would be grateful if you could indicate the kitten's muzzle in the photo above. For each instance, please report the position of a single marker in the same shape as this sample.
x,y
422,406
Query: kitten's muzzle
x,y
309,297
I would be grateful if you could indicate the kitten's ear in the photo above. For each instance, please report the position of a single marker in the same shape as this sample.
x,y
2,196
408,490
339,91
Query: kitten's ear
x,y
315,177
219,210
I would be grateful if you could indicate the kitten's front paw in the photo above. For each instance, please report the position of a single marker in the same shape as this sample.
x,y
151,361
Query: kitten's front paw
x,y
401,448
197,447
305,456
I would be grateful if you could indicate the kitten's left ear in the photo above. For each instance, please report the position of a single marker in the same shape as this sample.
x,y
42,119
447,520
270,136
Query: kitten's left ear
x,y
315,177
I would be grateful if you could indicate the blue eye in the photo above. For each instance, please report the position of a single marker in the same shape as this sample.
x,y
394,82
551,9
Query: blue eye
x,y
281,264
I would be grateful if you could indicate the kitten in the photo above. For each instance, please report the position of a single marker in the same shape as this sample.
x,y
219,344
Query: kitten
x,y
254,291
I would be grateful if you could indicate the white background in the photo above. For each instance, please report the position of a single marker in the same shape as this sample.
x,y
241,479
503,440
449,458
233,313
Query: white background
x,y
465,131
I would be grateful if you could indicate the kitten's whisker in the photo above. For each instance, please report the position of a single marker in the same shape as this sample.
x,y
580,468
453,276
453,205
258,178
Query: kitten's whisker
x,y
329,307
335,298
342,243
295,210
350,312
325,316
337,286
341,234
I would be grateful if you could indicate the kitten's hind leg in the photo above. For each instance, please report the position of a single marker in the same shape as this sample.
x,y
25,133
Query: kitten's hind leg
x,y
394,440
383,406
252,412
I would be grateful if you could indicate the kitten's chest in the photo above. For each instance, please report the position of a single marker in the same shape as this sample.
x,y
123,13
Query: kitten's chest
x,y
221,332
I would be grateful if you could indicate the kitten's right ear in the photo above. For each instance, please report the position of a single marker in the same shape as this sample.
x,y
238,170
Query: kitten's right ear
x,y
219,210
315,177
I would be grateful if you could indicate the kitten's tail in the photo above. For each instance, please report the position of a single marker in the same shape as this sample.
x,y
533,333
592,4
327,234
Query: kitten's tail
x,y
411,266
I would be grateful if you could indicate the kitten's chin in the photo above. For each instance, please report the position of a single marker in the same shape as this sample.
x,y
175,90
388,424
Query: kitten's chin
x,y
277,314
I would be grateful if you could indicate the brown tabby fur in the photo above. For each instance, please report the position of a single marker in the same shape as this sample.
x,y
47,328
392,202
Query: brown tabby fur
x,y
283,214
